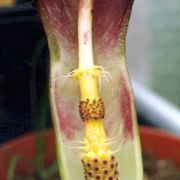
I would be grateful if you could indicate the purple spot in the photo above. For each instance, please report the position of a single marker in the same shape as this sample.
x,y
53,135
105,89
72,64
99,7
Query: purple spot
x,y
86,37
104,162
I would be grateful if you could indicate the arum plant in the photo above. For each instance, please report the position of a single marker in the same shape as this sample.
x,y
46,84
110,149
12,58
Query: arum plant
x,y
90,91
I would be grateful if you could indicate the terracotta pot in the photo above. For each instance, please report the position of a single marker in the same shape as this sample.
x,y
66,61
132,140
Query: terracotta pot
x,y
157,142
25,146
161,144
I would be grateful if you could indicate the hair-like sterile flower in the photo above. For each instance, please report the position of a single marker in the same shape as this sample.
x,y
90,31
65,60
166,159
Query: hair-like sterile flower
x,y
90,94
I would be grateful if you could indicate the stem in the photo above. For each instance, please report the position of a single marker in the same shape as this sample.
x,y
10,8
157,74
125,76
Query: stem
x,y
12,167
85,34
39,106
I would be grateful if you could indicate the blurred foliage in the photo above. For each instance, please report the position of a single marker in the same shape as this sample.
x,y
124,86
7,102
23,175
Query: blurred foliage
x,y
166,49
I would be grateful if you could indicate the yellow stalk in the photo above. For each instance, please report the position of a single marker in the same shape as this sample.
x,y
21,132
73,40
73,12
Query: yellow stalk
x,y
87,75
97,157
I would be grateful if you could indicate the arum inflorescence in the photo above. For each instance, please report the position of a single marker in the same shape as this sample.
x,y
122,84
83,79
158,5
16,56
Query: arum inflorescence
x,y
97,157
89,37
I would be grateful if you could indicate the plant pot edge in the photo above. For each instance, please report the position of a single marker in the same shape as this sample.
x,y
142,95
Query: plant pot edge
x,y
153,141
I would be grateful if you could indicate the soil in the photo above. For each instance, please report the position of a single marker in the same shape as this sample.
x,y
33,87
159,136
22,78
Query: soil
x,y
153,170
159,169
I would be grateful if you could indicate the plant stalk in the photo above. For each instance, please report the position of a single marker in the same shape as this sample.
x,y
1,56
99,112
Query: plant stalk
x,y
96,149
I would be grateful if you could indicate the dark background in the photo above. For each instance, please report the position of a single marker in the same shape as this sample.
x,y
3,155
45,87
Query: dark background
x,y
20,33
